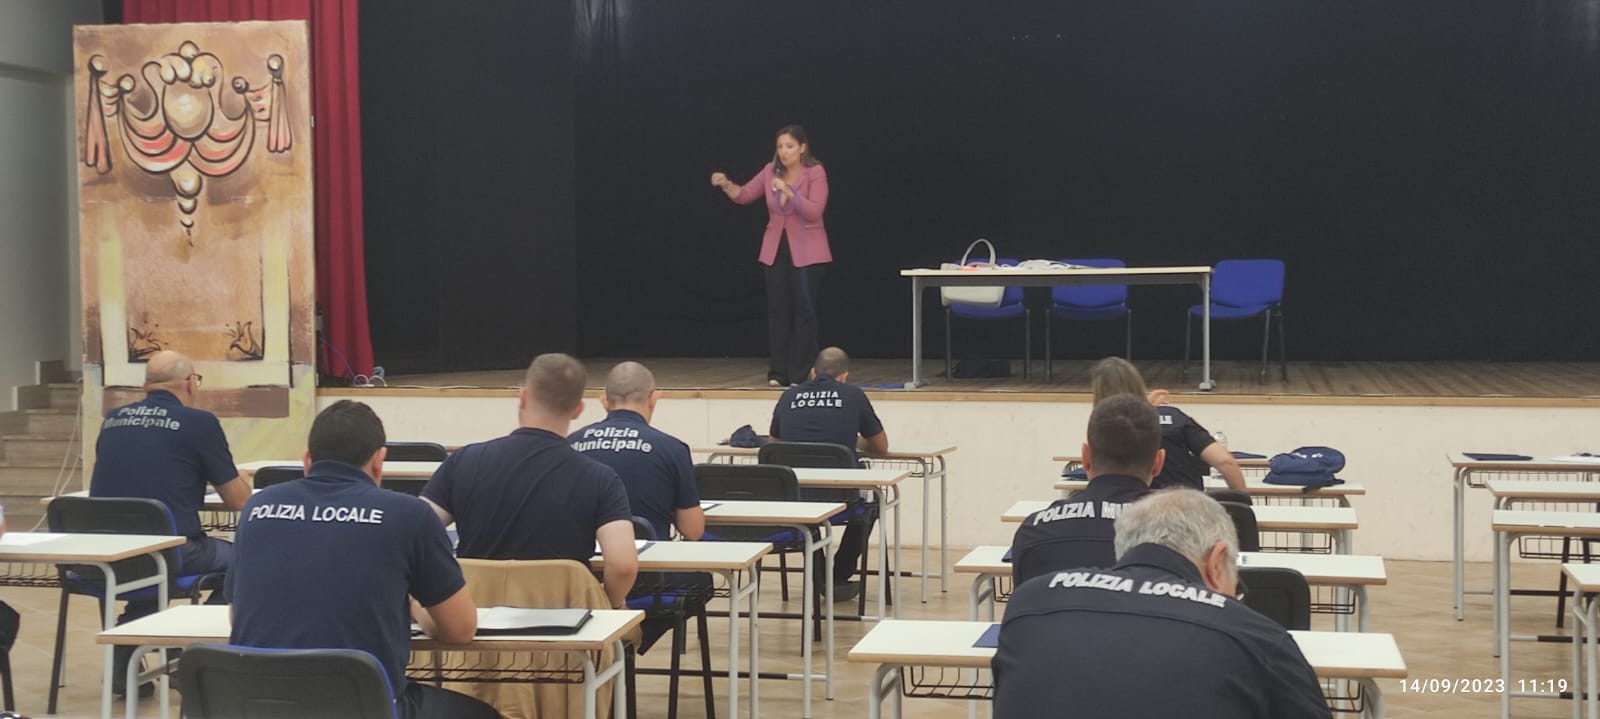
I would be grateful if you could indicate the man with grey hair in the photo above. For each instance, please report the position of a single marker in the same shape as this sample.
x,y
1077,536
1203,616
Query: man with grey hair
x,y
164,448
655,467
1159,634
528,495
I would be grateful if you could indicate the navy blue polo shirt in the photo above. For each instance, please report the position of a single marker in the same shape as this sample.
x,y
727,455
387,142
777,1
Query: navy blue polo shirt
x,y
158,449
1145,638
1074,532
656,469
1184,439
327,562
824,409
527,495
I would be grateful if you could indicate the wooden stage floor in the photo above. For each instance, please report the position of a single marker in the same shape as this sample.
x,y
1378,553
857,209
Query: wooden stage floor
x,y
1512,383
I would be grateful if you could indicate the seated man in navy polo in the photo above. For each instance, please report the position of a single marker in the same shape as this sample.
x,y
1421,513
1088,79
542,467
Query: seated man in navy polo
x,y
655,467
162,448
825,409
1157,635
530,495
332,561
1122,453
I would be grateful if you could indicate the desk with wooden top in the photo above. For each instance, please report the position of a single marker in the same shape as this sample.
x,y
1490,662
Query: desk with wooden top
x,y
1466,474
1345,571
1190,275
802,518
926,461
1508,525
1337,522
733,561
893,645
187,625
885,487
1584,580
99,551
1340,493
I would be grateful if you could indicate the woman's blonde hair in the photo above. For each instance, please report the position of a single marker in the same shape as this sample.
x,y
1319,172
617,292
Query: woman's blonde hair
x,y
1113,376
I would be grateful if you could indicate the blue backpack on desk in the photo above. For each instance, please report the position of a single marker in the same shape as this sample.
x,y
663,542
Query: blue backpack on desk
x,y
1309,467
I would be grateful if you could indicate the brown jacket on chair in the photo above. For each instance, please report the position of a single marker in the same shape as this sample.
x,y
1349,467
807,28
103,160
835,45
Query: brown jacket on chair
x,y
539,584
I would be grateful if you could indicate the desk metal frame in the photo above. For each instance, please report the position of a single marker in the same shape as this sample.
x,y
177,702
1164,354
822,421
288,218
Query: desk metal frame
x,y
928,467
1508,526
921,279
108,617
1465,469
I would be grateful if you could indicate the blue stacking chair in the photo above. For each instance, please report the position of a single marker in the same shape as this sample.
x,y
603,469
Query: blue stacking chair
x,y
1241,290
1088,303
671,599
826,455
232,682
116,515
1011,307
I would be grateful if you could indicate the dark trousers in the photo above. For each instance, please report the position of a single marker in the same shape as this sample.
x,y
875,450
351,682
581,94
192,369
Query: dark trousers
x,y
424,701
848,556
200,556
791,316
205,555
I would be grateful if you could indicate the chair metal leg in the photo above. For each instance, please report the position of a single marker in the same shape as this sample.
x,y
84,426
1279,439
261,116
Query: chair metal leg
x,y
1188,336
705,664
861,598
1561,587
1283,350
1128,351
679,645
1049,357
631,679
947,374
1027,343
783,575
1266,333
56,662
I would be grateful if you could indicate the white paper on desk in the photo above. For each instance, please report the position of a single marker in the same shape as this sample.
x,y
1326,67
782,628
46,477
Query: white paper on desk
x,y
539,621
638,545
1577,459
25,539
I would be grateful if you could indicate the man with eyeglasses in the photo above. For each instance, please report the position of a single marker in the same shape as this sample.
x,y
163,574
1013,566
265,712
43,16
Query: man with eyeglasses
x,y
1159,634
163,448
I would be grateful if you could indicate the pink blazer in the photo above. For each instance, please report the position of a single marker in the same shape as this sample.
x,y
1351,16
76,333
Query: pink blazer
x,y
801,219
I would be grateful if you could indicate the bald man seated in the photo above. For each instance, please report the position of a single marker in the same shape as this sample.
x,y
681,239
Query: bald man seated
x,y
163,448
656,468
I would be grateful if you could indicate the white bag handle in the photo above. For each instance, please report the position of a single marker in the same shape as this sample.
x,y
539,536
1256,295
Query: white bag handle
x,y
974,244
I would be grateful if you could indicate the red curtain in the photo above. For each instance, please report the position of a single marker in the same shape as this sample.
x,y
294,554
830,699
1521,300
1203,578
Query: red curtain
x,y
336,153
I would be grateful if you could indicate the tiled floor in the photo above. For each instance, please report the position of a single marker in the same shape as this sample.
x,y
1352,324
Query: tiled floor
x,y
1415,607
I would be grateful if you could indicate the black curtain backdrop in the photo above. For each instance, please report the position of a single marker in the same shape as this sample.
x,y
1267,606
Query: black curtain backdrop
x,y
1428,170
467,127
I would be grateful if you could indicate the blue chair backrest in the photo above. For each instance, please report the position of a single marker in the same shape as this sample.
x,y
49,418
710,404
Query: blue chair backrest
x,y
116,515
225,682
1091,295
1247,283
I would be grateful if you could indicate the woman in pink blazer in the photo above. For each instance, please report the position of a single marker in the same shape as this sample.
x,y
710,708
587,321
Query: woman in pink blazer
x,y
794,249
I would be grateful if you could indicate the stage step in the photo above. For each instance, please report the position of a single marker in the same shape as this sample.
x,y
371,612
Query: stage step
x,y
49,422
32,450
55,395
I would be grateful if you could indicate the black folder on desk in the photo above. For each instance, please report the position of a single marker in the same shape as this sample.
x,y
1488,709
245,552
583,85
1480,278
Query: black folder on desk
x,y
501,621
1494,457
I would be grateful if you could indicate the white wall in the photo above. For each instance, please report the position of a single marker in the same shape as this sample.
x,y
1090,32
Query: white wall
x,y
39,319
1004,451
